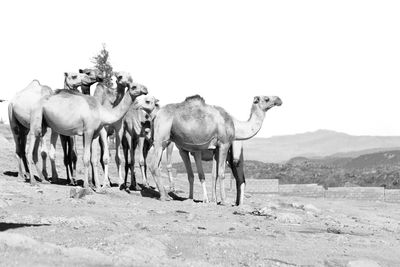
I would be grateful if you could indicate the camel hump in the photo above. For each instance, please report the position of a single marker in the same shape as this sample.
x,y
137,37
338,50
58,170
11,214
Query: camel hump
x,y
194,99
35,82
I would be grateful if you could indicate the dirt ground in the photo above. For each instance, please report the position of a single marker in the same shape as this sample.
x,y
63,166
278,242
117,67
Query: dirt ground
x,y
43,226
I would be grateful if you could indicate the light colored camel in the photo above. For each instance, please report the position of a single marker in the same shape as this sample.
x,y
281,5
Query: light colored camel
x,y
110,97
69,113
19,112
69,143
195,126
135,130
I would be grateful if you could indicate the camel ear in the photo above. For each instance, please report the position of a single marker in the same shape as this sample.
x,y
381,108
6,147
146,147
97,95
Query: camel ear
x,y
256,99
66,74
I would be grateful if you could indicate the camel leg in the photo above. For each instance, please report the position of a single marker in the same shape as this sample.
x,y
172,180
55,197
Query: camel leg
x,y
170,149
125,148
64,144
214,178
52,155
236,163
33,157
43,154
20,144
23,140
118,137
87,140
199,166
155,160
19,134
105,155
133,144
142,162
94,160
186,160
146,149
222,152
73,155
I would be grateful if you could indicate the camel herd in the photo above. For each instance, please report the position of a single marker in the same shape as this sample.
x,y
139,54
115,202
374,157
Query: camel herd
x,y
206,132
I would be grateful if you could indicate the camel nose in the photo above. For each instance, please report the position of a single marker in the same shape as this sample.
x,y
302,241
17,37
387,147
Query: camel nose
x,y
278,101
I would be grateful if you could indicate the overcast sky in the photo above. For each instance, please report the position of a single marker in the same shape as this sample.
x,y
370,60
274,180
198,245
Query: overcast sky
x,y
335,64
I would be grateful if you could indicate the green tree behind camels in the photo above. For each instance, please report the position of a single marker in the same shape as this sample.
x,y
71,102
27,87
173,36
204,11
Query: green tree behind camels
x,y
102,63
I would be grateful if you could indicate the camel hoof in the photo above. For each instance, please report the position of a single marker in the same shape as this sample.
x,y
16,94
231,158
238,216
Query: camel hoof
x,y
45,175
223,203
122,187
101,190
165,198
134,188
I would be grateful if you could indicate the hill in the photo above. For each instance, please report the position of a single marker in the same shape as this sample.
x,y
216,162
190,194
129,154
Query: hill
x,y
316,144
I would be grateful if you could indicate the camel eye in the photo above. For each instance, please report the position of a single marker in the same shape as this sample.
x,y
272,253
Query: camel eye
x,y
266,99
147,102
74,77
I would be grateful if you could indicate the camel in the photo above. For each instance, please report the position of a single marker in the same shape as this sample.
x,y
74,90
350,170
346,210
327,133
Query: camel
x,y
135,131
19,112
109,97
70,113
69,143
194,127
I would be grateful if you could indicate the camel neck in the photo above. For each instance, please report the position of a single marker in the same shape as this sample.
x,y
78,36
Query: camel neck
x,y
85,88
247,129
120,94
114,114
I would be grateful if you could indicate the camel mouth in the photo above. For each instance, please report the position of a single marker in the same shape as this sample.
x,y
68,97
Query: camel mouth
x,y
278,102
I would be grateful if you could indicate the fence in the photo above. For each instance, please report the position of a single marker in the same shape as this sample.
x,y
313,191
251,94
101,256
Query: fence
x,y
317,191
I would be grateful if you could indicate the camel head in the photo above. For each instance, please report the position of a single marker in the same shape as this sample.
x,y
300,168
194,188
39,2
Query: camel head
x,y
73,80
125,80
147,103
95,75
266,102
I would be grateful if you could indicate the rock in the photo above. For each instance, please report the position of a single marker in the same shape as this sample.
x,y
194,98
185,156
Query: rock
x,y
334,230
243,210
80,193
297,205
312,208
190,217
272,205
289,218
362,263
266,211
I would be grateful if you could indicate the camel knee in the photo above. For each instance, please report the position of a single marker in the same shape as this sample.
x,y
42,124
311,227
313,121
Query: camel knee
x,y
94,162
142,162
117,158
169,167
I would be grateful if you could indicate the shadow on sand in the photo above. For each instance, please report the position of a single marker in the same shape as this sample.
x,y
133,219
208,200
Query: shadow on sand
x,y
12,174
6,226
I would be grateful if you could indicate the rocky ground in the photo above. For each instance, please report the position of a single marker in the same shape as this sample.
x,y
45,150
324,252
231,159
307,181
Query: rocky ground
x,y
44,226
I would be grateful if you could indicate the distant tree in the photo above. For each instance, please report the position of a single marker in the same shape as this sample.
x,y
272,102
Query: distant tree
x,y
102,63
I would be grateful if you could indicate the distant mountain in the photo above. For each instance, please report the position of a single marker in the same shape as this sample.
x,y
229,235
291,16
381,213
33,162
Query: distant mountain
x,y
374,160
316,144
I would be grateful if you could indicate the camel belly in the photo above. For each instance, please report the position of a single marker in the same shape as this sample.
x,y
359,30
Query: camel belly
x,y
65,119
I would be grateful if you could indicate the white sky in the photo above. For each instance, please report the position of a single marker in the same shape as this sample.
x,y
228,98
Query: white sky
x,y
335,64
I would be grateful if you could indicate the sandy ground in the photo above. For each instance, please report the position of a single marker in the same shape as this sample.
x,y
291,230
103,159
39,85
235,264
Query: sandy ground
x,y
43,226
